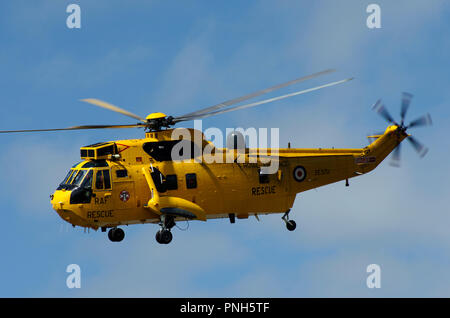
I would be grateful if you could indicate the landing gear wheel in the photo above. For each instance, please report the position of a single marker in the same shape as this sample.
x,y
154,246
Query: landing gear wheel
x,y
164,237
110,235
291,225
158,237
116,234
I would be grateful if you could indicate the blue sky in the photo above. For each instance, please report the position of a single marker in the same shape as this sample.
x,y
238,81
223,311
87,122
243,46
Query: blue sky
x,y
179,56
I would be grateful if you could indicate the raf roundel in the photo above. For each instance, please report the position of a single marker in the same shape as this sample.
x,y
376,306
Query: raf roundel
x,y
124,196
299,173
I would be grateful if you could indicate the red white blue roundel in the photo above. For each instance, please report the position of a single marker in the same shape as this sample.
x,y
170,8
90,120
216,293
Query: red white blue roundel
x,y
124,196
299,173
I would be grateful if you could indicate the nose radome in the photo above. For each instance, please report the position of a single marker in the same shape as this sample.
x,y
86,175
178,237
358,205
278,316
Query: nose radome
x,y
69,213
61,199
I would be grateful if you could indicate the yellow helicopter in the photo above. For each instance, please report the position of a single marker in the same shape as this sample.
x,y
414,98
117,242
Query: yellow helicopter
x,y
139,181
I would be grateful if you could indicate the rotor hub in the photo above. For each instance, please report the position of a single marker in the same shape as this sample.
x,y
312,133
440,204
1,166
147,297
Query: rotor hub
x,y
157,121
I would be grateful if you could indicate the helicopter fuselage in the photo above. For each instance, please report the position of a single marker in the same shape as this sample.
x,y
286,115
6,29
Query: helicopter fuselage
x,y
135,181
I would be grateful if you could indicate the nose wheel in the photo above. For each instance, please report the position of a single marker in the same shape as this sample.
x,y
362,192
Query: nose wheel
x,y
164,236
116,234
290,224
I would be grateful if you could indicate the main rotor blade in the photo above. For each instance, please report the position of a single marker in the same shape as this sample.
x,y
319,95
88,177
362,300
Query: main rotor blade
x,y
424,120
178,119
395,159
255,94
109,106
421,149
73,128
382,111
406,100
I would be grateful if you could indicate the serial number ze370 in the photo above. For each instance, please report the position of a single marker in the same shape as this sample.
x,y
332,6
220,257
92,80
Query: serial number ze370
x,y
321,172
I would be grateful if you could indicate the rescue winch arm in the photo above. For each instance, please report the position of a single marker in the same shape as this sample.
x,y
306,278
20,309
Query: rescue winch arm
x,y
169,205
154,200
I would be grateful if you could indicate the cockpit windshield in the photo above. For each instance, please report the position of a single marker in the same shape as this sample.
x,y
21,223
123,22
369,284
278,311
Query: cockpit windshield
x,y
76,178
67,177
87,182
82,175
79,177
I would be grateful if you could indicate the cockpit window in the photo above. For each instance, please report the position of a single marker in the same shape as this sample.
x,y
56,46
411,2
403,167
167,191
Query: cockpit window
x,y
76,178
87,182
65,183
81,187
67,177
76,164
69,181
79,177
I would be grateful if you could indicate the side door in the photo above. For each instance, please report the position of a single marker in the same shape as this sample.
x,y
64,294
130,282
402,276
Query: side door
x,y
124,192
102,203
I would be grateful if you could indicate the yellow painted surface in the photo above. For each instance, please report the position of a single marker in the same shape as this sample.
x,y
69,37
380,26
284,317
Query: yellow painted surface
x,y
222,188
156,116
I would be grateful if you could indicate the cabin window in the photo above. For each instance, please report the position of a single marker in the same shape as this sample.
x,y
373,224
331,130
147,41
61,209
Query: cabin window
x,y
99,184
171,182
107,179
102,180
122,173
191,181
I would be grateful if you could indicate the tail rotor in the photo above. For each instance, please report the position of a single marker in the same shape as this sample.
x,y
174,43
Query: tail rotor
x,y
424,120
